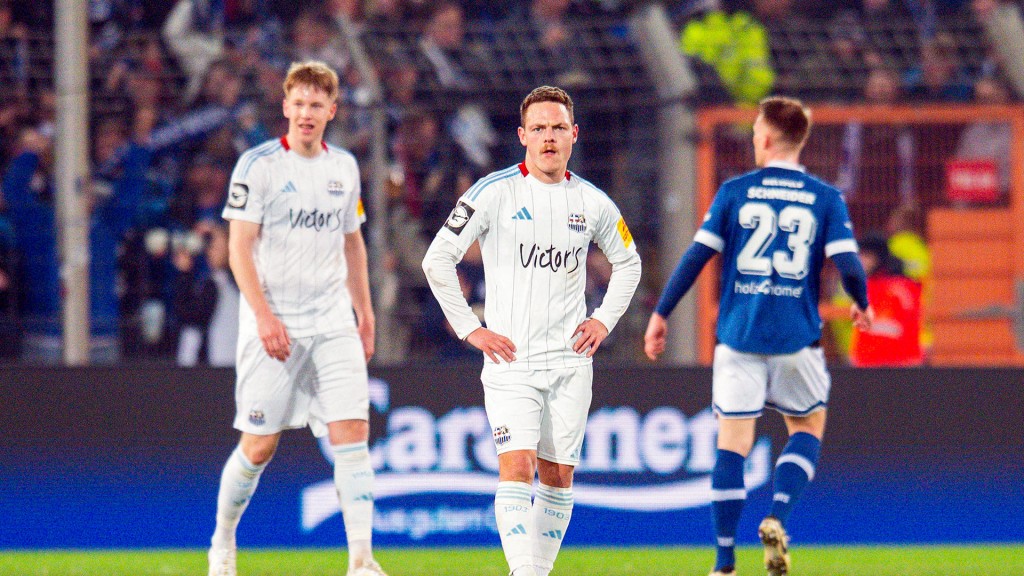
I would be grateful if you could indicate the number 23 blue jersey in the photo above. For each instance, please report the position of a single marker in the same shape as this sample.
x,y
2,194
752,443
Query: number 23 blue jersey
x,y
774,227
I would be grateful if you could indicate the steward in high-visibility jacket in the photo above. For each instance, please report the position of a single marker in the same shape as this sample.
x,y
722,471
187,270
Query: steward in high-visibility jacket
x,y
736,46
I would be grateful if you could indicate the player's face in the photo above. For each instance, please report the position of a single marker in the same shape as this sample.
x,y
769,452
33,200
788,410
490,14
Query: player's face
x,y
548,134
308,110
761,132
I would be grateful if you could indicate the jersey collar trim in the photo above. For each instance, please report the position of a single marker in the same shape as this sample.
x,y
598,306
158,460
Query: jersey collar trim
x,y
526,171
785,165
287,148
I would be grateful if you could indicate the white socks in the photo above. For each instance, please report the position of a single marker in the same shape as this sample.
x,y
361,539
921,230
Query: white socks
x,y
353,477
237,485
552,509
514,515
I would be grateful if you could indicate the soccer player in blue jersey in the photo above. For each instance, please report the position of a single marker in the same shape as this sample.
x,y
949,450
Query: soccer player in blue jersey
x,y
773,227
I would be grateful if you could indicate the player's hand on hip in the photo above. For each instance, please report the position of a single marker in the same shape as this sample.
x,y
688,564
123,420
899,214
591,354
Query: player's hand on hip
x,y
654,338
591,333
274,336
862,319
493,344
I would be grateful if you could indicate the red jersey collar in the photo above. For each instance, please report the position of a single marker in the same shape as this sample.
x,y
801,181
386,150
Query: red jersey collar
x,y
284,142
525,171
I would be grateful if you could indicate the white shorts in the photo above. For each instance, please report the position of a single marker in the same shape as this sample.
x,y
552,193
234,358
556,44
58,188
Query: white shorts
x,y
794,384
323,380
542,410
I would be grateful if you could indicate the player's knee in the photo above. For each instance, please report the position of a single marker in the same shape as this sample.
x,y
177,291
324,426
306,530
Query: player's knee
x,y
554,475
259,450
517,466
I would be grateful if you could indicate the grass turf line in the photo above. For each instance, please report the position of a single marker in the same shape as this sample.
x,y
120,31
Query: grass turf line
x,y
981,560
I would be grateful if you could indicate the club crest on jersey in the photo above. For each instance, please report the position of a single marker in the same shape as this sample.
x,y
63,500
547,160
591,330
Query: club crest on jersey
x,y
459,217
335,188
238,196
501,435
577,223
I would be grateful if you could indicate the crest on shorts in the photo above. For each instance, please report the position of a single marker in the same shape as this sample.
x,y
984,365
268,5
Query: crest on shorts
x,y
335,188
257,418
501,435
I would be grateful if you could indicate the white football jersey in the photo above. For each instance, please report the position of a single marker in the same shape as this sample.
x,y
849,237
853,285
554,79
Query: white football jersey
x,y
534,239
304,206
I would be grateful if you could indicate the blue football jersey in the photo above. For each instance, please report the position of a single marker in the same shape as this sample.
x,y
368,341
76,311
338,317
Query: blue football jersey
x,y
774,227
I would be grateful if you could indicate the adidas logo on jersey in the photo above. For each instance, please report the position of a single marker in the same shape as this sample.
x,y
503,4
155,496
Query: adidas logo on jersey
x,y
288,188
523,214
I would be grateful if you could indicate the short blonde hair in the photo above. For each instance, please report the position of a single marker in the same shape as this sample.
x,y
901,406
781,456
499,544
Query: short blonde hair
x,y
315,74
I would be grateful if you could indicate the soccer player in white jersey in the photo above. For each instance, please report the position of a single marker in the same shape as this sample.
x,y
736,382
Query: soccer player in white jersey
x,y
535,222
299,258
774,227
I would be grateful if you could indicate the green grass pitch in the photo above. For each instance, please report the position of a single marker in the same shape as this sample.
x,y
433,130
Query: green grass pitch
x,y
809,561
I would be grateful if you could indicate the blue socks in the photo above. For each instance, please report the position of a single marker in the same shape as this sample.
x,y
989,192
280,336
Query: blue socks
x,y
728,497
793,470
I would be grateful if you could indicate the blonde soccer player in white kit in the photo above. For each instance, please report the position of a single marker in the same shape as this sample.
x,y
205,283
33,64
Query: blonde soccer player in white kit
x,y
535,222
299,258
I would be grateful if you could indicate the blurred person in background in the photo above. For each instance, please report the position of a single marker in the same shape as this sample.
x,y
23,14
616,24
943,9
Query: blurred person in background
x,y
940,76
907,244
112,201
205,298
989,141
894,338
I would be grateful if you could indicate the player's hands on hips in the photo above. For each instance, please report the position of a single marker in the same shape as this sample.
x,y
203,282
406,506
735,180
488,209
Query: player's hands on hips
x,y
274,336
862,319
493,344
591,333
654,338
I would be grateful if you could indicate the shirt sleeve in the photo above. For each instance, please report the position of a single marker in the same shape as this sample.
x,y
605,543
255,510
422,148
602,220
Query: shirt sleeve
x,y
839,235
714,229
355,215
467,221
246,192
439,268
615,240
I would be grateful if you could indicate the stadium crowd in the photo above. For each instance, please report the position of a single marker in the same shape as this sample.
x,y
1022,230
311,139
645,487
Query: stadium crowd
x,y
180,89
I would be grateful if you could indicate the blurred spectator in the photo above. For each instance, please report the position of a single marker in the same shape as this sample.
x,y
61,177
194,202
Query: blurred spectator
x,y
1004,29
442,49
111,202
736,45
940,76
895,336
906,243
194,33
861,176
544,31
989,141
206,298
314,37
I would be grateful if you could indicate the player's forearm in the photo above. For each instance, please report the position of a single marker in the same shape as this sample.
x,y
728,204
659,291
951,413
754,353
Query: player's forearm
x,y
243,268
853,277
621,287
439,268
685,274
